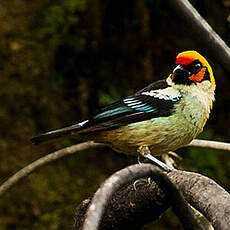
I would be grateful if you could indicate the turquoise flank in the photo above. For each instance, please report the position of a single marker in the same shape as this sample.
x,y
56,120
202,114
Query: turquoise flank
x,y
146,109
138,105
143,107
113,112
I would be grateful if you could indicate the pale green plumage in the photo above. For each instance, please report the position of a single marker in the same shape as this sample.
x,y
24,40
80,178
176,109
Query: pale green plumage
x,y
165,134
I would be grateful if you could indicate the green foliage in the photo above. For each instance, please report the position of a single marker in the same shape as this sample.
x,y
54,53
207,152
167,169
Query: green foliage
x,y
57,81
57,19
108,98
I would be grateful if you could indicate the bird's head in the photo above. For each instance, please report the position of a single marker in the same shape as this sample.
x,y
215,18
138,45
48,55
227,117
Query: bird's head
x,y
191,67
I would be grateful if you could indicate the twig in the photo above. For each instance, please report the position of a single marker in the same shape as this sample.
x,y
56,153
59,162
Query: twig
x,y
206,34
131,173
210,144
45,160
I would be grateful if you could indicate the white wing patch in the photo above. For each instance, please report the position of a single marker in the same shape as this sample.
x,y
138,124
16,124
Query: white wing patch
x,y
166,94
83,122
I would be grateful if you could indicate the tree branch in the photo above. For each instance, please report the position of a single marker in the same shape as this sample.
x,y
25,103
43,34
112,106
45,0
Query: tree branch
x,y
131,173
129,208
43,161
210,144
83,146
210,39
206,196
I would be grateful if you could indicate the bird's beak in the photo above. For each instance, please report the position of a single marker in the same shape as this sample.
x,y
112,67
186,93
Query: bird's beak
x,y
181,70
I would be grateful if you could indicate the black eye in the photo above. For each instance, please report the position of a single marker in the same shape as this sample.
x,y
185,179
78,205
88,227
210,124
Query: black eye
x,y
195,67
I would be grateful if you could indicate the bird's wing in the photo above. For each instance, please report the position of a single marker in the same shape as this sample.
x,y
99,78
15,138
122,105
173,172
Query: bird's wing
x,y
156,100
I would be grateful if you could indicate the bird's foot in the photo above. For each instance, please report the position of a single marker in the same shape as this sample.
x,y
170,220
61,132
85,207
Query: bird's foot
x,y
169,159
145,152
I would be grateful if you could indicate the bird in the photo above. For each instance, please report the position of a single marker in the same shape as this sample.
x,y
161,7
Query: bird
x,y
164,116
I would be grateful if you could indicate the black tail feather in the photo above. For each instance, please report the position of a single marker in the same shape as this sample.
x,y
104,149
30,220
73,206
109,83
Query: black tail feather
x,y
55,134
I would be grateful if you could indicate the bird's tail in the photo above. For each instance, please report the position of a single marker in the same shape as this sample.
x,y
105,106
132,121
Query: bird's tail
x,y
56,134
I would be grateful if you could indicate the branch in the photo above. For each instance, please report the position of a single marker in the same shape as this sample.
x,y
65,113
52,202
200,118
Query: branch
x,y
83,146
131,209
206,196
43,161
210,144
131,173
210,39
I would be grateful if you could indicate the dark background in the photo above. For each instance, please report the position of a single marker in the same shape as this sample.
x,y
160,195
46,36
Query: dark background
x,y
60,61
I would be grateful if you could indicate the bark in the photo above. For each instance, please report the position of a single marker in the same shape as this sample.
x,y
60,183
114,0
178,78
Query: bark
x,y
131,209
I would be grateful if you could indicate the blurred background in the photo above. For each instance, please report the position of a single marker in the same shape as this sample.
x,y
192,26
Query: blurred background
x,y
60,61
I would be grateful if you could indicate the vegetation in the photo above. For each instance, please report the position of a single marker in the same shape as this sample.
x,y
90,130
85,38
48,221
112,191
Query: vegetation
x,y
59,62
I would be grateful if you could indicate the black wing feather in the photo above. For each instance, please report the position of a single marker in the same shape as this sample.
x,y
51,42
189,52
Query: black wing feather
x,y
138,107
161,84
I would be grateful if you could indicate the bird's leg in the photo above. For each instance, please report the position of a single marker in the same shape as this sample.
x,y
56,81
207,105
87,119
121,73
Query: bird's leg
x,y
141,180
145,152
139,159
168,158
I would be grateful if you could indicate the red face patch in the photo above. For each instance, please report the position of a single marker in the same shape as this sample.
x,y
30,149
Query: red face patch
x,y
184,60
199,76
